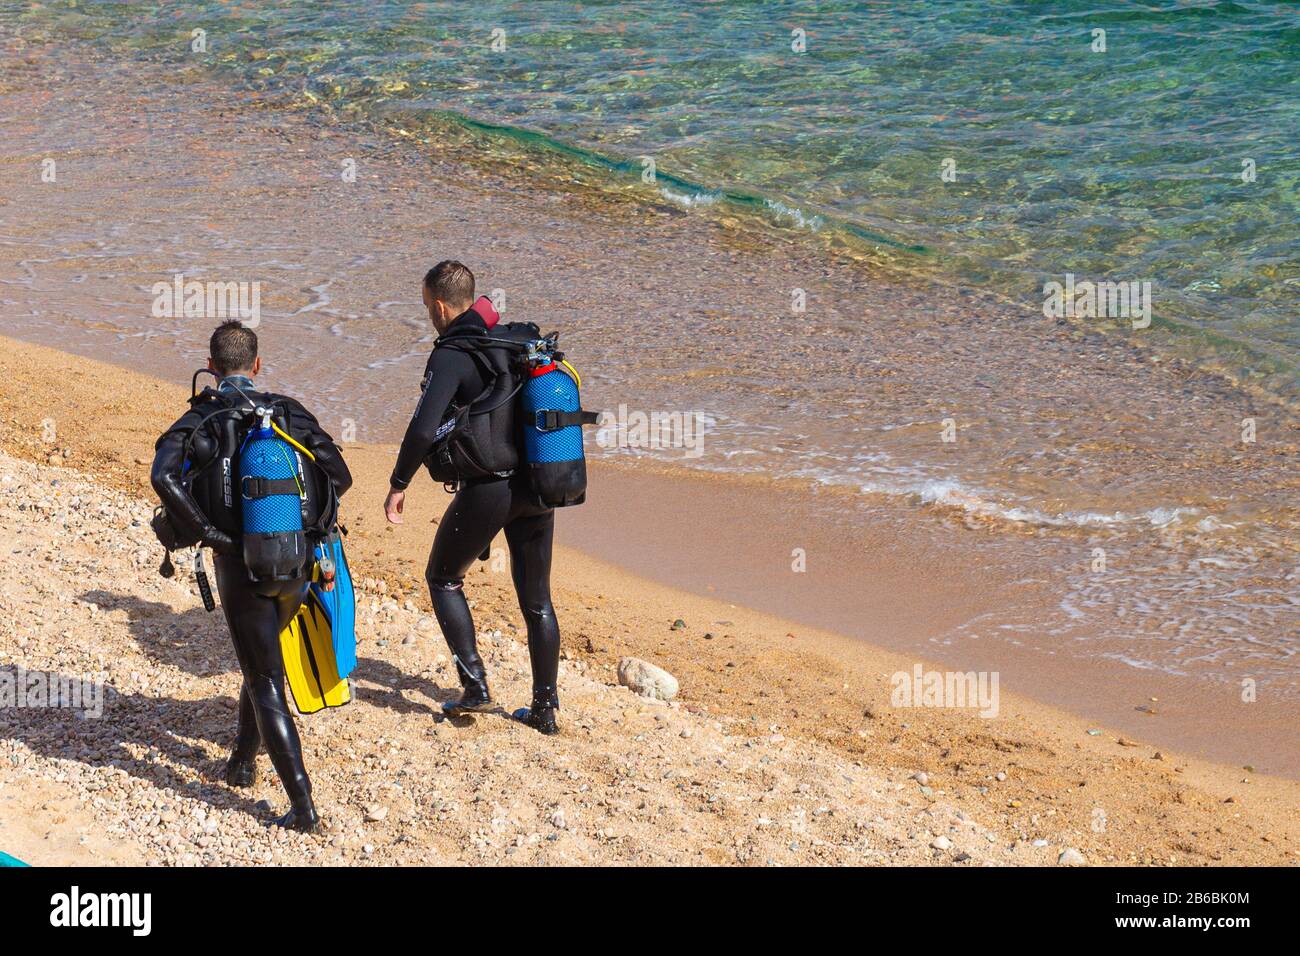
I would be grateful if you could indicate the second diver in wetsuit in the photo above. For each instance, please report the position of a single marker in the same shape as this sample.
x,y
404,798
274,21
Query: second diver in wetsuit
x,y
497,497
192,475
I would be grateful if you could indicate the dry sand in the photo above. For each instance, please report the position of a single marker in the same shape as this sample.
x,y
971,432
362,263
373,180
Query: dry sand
x,y
632,780
781,747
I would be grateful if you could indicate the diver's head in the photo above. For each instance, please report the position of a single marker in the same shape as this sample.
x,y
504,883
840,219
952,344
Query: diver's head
x,y
447,292
233,350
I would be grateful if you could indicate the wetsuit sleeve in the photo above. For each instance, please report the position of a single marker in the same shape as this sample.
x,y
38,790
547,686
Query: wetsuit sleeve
x,y
449,372
318,441
182,510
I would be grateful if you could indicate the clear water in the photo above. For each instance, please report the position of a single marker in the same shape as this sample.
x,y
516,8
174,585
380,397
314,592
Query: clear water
x,y
1122,164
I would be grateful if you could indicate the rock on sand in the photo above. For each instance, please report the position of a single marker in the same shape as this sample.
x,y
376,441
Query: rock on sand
x,y
646,679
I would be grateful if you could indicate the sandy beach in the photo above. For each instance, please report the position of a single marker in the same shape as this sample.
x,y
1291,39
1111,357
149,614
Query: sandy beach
x,y
782,747
827,542
1096,443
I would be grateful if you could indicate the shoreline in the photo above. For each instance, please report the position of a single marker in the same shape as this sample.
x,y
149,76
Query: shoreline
x,y
914,598
943,580
909,594
816,687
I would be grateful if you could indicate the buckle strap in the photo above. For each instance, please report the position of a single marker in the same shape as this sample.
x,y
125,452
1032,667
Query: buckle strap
x,y
253,488
549,420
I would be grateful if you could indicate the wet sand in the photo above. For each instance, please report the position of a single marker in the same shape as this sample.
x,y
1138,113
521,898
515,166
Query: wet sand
x,y
902,591
678,311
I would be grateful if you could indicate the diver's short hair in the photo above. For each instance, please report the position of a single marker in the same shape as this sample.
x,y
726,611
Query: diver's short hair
x,y
452,282
233,347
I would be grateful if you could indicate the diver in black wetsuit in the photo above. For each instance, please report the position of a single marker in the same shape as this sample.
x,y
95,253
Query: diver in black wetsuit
x,y
258,613
482,506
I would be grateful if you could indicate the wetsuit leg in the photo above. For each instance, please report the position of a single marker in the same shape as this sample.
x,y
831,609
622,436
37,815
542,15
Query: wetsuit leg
x,y
241,768
472,520
255,623
530,537
248,741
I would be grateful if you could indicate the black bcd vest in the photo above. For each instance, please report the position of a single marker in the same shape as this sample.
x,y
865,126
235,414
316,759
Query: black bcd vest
x,y
481,439
213,463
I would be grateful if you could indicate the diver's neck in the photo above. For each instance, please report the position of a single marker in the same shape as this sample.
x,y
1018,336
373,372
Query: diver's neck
x,y
230,383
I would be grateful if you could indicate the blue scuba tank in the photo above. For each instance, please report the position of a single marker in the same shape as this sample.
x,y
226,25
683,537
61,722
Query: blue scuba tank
x,y
270,483
552,420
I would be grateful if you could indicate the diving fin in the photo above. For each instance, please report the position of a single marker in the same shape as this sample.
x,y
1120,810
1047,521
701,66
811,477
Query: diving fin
x,y
310,667
338,603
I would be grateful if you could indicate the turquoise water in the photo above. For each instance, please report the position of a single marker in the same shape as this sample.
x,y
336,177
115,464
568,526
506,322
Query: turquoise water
x,y
1122,164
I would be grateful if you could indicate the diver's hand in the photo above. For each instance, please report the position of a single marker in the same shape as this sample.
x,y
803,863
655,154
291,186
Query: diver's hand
x,y
393,505
218,541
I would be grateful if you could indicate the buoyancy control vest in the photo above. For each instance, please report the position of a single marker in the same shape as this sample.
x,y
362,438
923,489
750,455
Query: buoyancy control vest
x,y
479,439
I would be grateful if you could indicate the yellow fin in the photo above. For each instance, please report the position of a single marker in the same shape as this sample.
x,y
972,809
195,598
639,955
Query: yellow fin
x,y
309,665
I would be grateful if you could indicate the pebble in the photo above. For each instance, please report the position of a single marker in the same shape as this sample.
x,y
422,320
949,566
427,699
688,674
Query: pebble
x,y
1071,857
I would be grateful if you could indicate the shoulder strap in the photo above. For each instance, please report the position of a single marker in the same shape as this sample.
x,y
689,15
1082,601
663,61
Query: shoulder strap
x,y
474,346
489,373
224,407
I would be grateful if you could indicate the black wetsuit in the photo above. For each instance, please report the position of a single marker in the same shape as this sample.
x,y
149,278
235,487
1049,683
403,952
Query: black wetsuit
x,y
480,509
256,617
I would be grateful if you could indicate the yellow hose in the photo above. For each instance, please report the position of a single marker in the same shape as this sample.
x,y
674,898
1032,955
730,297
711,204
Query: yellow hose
x,y
285,435
572,371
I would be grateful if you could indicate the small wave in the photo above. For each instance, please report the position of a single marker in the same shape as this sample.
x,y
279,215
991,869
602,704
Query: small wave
x,y
1210,523
795,215
1138,663
691,200
321,299
942,493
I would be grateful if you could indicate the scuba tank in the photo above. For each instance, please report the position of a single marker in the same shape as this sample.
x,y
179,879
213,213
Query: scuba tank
x,y
551,418
272,493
